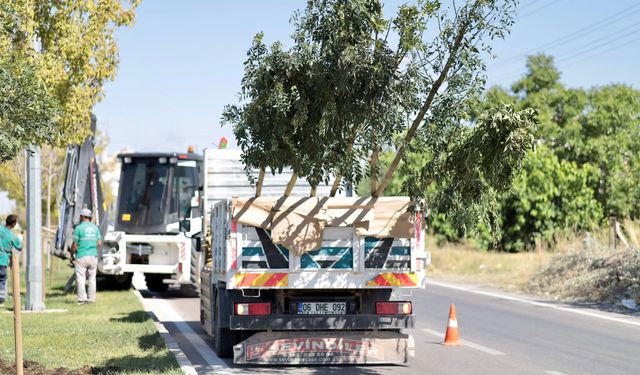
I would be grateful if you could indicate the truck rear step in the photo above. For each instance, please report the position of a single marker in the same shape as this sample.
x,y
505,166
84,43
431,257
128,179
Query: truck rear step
x,y
325,347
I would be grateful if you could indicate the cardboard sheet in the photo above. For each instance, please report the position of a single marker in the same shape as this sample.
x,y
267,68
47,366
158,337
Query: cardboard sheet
x,y
298,223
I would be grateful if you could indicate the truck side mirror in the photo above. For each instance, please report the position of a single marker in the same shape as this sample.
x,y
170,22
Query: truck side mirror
x,y
195,199
185,225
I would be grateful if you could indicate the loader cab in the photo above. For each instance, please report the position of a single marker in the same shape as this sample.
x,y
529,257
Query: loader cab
x,y
156,191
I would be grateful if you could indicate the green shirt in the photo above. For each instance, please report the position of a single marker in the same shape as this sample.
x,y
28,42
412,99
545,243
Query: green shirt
x,y
86,235
8,241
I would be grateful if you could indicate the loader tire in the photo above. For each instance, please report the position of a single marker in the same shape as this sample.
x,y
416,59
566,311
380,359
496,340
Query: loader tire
x,y
196,264
120,282
154,282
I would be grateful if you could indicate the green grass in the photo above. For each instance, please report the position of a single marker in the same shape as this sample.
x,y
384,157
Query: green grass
x,y
114,335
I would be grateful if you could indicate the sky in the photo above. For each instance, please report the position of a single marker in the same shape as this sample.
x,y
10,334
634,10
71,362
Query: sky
x,y
6,205
182,62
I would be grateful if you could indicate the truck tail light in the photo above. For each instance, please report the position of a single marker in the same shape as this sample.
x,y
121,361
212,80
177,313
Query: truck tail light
x,y
393,308
262,308
180,267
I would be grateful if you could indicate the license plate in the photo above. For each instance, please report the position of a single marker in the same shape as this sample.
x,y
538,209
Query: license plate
x,y
322,308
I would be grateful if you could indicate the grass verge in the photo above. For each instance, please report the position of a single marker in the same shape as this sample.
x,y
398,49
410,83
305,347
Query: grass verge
x,y
463,263
112,336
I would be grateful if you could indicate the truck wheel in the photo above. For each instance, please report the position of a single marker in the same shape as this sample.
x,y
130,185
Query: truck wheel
x,y
224,339
122,282
154,282
114,282
196,262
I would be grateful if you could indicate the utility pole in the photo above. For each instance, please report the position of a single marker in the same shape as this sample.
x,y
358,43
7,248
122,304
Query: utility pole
x,y
34,299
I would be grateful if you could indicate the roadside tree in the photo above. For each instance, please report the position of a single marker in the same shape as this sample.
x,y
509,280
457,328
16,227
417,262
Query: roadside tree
x,y
54,59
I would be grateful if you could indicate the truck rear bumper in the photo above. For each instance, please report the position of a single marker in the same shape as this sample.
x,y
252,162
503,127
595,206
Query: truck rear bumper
x,y
325,347
301,322
144,268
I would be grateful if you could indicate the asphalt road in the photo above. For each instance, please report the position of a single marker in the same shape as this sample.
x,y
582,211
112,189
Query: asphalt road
x,y
503,334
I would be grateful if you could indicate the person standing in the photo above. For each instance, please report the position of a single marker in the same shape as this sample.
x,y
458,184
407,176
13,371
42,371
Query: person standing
x,y
8,242
86,240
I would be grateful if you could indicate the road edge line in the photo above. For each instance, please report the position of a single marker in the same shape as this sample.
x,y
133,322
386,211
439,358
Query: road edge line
x,y
185,364
537,303
467,343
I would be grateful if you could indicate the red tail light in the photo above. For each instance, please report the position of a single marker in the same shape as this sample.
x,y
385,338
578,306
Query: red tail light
x,y
393,308
249,309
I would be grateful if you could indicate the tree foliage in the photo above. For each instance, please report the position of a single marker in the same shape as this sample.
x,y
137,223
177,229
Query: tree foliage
x,y
27,113
67,51
355,85
551,195
586,166
598,128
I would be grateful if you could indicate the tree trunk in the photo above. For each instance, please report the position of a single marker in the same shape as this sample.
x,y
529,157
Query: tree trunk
x,y
314,191
427,104
374,173
260,181
290,185
335,186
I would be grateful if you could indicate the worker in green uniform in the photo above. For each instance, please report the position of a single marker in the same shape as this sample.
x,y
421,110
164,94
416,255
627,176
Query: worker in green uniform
x,y
8,242
86,240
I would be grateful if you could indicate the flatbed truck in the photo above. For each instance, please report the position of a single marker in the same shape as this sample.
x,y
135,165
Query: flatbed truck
x,y
308,280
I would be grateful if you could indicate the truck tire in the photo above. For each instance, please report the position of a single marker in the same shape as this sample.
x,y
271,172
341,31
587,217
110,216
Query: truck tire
x,y
154,282
223,338
122,282
196,263
114,282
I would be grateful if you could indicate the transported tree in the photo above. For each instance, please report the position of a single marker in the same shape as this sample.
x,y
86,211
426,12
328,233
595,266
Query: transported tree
x,y
355,84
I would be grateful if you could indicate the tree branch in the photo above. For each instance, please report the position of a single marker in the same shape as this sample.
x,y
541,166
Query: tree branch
x,y
427,104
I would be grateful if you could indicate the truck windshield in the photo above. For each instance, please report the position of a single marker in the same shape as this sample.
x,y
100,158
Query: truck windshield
x,y
144,187
155,194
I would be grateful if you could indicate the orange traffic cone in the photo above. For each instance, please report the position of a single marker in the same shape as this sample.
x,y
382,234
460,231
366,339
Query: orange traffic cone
x,y
452,336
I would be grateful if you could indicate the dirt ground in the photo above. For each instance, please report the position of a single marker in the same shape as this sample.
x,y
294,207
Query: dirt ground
x,y
32,368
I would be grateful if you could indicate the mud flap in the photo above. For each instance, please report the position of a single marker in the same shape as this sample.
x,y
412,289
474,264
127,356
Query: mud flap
x,y
325,347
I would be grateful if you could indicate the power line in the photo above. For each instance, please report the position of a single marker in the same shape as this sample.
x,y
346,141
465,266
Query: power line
x,y
599,25
600,53
529,4
597,43
585,54
538,9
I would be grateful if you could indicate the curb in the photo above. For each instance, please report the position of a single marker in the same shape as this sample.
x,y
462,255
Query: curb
x,y
185,365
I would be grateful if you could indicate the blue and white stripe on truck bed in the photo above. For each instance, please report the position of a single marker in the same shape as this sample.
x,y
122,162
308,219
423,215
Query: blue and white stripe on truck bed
x,y
266,256
379,253
328,258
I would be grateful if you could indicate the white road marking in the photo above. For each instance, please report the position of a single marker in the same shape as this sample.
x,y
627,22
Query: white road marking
x,y
536,303
555,373
468,343
167,314
185,365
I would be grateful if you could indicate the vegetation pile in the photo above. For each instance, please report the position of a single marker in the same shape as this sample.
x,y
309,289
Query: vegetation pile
x,y
591,272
